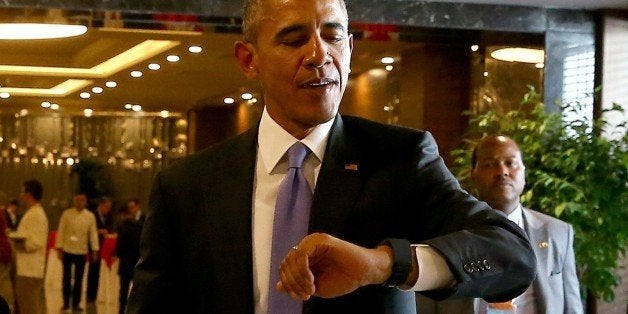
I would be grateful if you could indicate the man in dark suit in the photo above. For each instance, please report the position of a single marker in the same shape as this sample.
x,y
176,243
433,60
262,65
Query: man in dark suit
x,y
104,223
206,245
128,248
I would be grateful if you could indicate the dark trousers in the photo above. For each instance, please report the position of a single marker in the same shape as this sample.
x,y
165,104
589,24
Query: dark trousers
x,y
93,276
79,268
125,282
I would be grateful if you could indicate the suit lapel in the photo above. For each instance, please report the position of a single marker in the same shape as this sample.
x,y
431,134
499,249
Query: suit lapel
x,y
339,182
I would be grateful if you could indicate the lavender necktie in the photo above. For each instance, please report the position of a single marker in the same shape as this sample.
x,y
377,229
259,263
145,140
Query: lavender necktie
x,y
292,214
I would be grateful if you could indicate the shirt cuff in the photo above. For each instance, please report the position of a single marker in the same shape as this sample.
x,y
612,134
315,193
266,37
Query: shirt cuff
x,y
433,270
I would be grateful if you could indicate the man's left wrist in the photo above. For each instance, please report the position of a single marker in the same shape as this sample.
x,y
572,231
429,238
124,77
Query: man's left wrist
x,y
402,264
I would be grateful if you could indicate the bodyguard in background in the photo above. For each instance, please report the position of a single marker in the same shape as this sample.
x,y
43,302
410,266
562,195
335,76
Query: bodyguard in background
x,y
499,176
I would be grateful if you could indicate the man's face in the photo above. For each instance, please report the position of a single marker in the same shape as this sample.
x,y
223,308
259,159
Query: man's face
x,y
133,208
499,173
105,208
80,201
302,59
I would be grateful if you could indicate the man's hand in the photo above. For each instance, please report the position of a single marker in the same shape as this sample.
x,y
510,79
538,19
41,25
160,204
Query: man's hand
x,y
328,267
94,257
60,254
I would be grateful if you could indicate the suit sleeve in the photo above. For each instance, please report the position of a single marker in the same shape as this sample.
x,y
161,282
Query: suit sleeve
x,y
573,303
489,256
154,281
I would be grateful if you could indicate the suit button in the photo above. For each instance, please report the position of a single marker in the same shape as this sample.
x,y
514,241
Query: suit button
x,y
486,264
467,268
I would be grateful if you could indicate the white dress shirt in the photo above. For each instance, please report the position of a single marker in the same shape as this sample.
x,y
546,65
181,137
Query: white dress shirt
x,y
273,141
33,229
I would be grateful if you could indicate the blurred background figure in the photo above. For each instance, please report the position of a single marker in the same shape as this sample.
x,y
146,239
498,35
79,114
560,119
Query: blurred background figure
x,y
128,248
11,214
30,240
104,223
6,265
77,232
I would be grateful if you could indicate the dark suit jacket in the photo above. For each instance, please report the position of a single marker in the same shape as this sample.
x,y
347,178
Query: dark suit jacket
x,y
196,251
128,246
556,287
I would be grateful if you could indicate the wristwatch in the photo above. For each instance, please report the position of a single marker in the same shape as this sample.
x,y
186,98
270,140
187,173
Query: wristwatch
x,y
402,263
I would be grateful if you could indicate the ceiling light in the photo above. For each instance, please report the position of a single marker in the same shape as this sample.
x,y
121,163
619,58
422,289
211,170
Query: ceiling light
x,y
45,104
54,106
539,65
389,68
85,95
39,31
136,73
195,49
247,96
128,106
97,90
229,100
253,100
173,58
23,112
388,60
136,108
154,66
485,74
475,48
88,112
5,95
65,88
525,55
111,84
164,113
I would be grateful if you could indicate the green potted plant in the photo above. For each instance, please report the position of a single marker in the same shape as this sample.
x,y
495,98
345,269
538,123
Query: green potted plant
x,y
573,174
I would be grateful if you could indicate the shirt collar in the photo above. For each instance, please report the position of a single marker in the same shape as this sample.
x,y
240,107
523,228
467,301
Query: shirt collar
x,y
273,141
517,216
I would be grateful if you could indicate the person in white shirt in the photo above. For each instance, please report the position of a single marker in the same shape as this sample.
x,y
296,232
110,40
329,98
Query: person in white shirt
x,y
31,240
77,233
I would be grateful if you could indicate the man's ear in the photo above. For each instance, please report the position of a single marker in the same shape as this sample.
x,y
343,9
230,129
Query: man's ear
x,y
245,54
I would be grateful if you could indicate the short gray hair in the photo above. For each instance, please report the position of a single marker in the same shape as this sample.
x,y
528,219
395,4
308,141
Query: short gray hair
x,y
250,18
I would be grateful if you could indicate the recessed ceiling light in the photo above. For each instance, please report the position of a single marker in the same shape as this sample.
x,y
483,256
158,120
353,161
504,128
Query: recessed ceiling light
x,y
247,96
388,60
97,90
173,58
45,104
88,112
39,30
85,95
229,100
475,48
111,84
164,113
128,106
485,74
136,108
154,66
389,68
23,112
539,65
136,73
525,55
5,95
54,106
195,49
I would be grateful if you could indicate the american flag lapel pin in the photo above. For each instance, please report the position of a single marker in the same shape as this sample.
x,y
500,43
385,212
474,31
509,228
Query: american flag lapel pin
x,y
351,167
543,244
